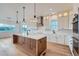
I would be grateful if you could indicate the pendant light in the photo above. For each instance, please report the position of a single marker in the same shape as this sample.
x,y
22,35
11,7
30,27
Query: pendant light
x,y
34,10
23,13
17,17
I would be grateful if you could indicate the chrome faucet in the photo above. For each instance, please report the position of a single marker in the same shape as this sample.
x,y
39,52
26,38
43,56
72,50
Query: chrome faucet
x,y
28,32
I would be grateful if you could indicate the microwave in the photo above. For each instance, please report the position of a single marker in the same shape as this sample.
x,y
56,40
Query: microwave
x,y
75,24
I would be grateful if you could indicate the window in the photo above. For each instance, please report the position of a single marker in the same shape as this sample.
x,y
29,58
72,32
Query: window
x,y
54,24
7,28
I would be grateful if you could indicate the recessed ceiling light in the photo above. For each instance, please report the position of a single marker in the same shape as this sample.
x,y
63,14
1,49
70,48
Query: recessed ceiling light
x,y
50,9
44,17
65,14
47,17
55,15
53,12
60,15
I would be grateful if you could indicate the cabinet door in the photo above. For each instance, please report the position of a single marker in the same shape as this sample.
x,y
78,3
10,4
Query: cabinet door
x,y
30,46
42,45
33,46
60,39
21,40
53,38
27,44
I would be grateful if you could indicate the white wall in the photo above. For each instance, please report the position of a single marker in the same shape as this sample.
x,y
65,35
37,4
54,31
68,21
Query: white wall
x,y
7,16
75,8
7,11
64,22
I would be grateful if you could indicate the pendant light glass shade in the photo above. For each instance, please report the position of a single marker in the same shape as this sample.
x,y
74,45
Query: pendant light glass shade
x,y
17,17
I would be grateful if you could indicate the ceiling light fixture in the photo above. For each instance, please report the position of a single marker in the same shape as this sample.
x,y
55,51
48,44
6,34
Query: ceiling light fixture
x,y
47,17
50,9
44,17
53,12
60,15
34,10
23,13
65,14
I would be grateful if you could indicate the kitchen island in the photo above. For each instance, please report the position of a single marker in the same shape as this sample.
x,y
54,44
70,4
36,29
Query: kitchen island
x,y
34,45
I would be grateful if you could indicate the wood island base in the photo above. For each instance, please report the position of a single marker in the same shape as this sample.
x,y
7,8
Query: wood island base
x,y
31,45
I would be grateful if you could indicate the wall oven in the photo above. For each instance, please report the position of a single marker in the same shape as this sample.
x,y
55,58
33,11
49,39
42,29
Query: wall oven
x,y
75,46
76,35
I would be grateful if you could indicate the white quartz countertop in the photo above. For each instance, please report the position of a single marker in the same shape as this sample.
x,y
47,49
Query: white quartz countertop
x,y
35,36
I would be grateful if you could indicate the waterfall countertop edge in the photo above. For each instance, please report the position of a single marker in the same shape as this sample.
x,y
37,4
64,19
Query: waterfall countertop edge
x,y
35,36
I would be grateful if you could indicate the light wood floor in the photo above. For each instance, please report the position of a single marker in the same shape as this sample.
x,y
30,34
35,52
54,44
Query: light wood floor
x,y
7,48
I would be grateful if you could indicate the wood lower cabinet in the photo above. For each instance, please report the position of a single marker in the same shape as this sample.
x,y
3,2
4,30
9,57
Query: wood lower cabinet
x,y
41,45
15,38
20,40
32,46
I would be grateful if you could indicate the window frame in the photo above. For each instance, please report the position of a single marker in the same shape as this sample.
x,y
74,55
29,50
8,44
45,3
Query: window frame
x,y
54,24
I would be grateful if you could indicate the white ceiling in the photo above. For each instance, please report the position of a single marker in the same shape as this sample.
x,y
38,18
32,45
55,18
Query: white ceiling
x,y
42,9
56,7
